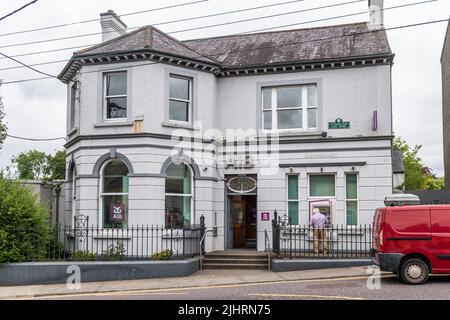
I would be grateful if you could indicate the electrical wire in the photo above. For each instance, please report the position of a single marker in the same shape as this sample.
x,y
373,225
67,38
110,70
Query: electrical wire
x,y
28,66
97,19
17,10
264,48
35,139
304,10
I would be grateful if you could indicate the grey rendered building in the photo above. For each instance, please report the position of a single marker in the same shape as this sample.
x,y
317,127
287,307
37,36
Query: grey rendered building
x,y
162,131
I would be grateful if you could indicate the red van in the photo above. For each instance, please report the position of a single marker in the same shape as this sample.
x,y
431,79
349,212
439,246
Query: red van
x,y
412,241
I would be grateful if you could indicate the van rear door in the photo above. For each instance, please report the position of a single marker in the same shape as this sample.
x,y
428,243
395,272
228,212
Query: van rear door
x,y
440,228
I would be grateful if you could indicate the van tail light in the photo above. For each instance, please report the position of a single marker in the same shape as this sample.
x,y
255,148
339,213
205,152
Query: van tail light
x,y
381,238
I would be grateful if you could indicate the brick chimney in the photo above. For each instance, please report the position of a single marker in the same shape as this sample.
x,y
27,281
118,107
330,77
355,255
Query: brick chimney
x,y
112,26
376,14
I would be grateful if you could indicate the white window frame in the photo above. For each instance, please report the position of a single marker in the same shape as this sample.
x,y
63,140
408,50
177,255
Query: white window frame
x,y
293,200
189,101
355,200
304,108
180,194
102,194
106,97
72,106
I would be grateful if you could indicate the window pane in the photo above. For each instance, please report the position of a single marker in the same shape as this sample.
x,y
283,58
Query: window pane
x,y
179,88
116,108
322,186
352,212
267,98
115,168
178,110
174,185
73,92
293,211
289,97
312,96
288,119
178,211
292,187
312,118
116,84
351,186
267,120
177,170
115,211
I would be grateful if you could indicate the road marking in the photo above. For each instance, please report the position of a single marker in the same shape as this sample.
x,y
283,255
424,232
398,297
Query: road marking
x,y
212,286
288,295
115,293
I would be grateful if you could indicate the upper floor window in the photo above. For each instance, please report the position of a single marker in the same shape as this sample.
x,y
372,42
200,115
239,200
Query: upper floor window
x,y
180,98
290,107
73,94
115,84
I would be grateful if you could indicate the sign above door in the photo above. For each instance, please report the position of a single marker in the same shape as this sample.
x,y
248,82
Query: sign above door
x,y
241,184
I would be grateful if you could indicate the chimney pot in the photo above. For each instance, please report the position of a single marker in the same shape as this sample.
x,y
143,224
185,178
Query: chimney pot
x,y
112,25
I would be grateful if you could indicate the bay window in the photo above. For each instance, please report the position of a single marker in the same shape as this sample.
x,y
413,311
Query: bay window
x,y
115,95
289,107
180,98
178,195
114,194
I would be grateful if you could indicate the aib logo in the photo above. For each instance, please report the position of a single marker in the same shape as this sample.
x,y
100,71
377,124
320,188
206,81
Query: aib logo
x,y
117,212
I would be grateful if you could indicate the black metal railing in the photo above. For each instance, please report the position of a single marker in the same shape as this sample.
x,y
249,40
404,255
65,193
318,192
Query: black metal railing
x,y
83,242
332,241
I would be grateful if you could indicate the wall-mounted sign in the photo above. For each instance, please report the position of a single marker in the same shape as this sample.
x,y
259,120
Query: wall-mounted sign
x,y
339,124
265,216
242,184
117,212
240,162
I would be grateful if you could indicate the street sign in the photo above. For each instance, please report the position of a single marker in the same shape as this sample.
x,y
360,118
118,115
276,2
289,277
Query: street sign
x,y
339,124
265,216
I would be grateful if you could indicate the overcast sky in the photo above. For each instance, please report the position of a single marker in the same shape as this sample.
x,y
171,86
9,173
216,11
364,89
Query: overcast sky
x,y
37,109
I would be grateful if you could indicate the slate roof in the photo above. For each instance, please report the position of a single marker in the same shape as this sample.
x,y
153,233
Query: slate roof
x,y
147,37
280,47
327,44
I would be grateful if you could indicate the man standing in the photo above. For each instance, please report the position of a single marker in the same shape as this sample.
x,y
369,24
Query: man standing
x,y
318,222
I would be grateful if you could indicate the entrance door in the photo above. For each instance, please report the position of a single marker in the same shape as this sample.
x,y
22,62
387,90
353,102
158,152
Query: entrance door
x,y
243,215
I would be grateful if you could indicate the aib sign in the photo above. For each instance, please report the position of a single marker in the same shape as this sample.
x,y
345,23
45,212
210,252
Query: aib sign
x,y
117,212
265,216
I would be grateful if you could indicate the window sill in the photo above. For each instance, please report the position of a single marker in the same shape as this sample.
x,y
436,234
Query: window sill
x,y
114,124
177,125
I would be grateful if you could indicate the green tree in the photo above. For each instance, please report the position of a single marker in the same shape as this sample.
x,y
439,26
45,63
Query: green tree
x,y
3,128
417,175
24,223
37,165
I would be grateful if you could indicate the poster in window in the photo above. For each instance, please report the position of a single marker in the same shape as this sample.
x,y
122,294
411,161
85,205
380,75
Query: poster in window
x,y
117,212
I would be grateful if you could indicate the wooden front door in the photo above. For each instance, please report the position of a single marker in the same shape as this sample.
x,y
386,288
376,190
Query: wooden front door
x,y
238,216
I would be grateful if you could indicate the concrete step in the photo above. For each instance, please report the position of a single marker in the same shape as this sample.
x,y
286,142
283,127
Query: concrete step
x,y
234,266
235,261
235,256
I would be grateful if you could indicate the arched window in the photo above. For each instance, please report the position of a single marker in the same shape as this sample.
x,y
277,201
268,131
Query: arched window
x,y
114,194
178,195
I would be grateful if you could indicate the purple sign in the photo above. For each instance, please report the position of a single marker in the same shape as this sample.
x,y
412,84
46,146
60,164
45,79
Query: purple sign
x,y
117,212
265,216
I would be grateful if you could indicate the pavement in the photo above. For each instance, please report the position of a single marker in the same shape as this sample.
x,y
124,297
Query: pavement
x,y
204,278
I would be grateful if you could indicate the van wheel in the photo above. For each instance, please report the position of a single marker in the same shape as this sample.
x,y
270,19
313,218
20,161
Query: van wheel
x,y
414,271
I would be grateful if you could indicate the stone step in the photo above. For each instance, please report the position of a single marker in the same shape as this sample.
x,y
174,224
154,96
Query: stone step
x,y
250,266
235,256
235,261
